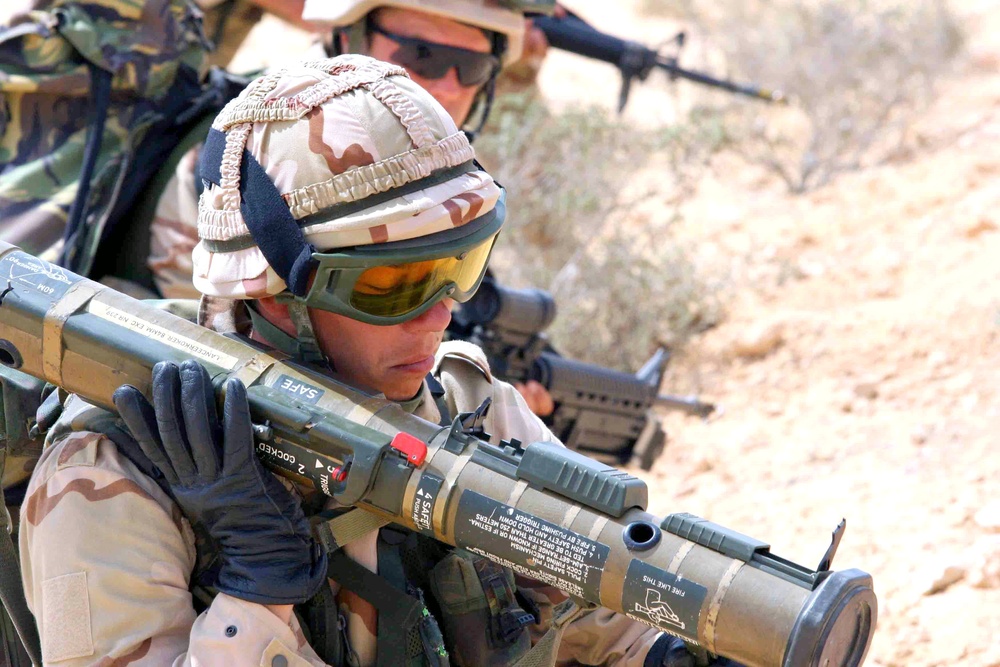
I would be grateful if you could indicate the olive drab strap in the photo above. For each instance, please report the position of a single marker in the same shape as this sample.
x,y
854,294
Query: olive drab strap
x,y
344,528
437,393
399,613
327,629
134,238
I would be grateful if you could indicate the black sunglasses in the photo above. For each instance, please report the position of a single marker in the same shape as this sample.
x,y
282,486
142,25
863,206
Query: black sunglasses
x,y
430,60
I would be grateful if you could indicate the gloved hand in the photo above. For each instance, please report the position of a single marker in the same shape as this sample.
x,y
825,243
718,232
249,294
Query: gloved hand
x,y
670,651
266,548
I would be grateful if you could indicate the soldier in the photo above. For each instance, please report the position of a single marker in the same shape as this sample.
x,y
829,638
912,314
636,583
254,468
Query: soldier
x,y
122,531
453,48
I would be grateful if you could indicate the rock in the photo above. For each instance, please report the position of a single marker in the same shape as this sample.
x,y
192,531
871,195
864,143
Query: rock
x,y
846,399
979,227
937,359
703,465
944,577
866,389
758,340
985,574
920,434
983,563
988,517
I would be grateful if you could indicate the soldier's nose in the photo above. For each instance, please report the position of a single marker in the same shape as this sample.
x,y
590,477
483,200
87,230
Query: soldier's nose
x,y
435,319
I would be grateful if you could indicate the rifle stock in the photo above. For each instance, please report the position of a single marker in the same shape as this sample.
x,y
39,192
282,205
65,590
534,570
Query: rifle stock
x,y
542,510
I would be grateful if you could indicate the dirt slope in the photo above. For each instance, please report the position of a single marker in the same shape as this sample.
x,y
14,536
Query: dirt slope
x,y
873,306
876,305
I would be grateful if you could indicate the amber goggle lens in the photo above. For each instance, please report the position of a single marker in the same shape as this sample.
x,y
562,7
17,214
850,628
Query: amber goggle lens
x,y
397,289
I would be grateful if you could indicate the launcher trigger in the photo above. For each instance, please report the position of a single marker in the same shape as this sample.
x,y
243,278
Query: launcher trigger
x,y
838,533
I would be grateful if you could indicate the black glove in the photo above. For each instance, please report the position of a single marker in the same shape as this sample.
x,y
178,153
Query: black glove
x,y
670,651
266,548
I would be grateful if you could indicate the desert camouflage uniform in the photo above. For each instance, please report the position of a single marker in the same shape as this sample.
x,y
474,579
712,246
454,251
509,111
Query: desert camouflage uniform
x,y
107,558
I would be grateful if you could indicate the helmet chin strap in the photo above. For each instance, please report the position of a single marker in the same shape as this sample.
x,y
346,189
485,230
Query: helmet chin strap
x,y
303,345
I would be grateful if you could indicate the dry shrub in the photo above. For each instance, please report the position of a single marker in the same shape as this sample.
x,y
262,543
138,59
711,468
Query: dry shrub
x,y
622,285
857,73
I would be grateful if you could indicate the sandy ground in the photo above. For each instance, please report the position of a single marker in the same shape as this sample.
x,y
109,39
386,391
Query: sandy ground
x,y
859,361
858,368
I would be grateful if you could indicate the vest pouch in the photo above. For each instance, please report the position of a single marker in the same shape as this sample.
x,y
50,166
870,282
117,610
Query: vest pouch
x,y
481,619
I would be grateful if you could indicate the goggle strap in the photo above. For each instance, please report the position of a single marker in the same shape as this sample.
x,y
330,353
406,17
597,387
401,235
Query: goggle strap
x,y
267,217
305,335
301,349
274,336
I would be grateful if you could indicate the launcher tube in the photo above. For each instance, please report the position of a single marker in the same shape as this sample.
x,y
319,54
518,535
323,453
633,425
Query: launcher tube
x,y
545,511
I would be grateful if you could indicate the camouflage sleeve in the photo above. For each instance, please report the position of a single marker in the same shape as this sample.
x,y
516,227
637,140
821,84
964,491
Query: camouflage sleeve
x,y
174,232
106,560
601,637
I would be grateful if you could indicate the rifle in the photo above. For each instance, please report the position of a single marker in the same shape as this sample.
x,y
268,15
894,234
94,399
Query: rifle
x,y
634,60
538,508
601,412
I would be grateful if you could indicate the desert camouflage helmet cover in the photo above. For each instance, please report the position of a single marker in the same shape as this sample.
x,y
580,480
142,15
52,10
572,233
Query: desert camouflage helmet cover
x,y
506,18
348,150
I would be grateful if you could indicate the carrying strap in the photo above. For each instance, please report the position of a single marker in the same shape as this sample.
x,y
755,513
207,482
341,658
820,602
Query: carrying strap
x,y
137,235
346,527
437,393
100,95
12,591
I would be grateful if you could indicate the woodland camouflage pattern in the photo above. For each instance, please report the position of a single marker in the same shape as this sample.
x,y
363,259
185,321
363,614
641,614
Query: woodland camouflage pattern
x,y
155,51
116,592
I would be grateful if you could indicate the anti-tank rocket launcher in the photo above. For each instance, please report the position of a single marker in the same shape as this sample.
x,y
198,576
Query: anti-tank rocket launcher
x,y
538,508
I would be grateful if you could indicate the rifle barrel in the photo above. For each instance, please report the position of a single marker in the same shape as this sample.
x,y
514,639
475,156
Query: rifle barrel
x,y
671,67
689,405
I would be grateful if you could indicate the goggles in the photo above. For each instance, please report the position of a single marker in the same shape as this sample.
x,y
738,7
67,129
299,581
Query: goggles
x,y
394,282
430,60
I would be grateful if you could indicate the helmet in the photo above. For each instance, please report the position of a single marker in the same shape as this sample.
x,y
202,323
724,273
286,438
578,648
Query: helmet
x,y
504,18
345,155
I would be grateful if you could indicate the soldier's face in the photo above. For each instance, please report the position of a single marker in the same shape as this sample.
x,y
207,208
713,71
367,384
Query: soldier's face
x,y
391,359
452,95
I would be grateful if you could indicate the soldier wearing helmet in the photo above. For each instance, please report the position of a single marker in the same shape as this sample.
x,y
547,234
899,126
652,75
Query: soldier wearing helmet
x,y
342,215
454,49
